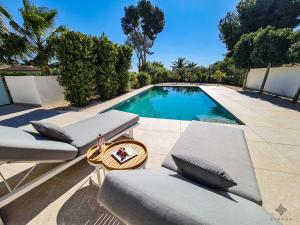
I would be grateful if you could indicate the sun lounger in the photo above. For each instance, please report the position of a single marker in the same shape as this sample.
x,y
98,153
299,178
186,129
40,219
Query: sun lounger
x,y
163,196
17,145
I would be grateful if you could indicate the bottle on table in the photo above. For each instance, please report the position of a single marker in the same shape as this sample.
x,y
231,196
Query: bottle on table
x,y
100,143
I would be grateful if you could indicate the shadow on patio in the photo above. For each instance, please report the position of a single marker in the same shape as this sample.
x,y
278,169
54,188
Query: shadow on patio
x,y
24,119
76,212
27,207
14,108
276,100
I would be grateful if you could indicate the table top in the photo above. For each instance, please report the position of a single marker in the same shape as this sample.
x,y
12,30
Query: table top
x,y
96,160
110,163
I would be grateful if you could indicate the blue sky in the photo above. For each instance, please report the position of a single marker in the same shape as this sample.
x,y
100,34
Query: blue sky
x,y
190,30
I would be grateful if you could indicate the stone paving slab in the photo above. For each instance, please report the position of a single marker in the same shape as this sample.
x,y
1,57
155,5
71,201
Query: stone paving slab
x,y
272,128
272,132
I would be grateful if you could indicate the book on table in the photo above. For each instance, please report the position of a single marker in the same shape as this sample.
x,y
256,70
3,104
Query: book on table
x,y
124,154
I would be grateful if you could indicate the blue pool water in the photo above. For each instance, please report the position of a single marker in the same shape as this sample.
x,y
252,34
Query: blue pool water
x,y
179,103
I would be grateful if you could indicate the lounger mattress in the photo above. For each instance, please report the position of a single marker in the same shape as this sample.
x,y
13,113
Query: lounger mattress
x,y
224,146
19,145
163,197
84,133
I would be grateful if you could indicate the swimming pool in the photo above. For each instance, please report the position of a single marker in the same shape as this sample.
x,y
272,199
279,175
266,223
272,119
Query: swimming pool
x,y
178,103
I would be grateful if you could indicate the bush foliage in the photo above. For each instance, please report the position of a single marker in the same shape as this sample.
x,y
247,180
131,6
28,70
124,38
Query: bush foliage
x,y
107,82
268,45
92,67
157,71
122,67
77,67
144,79
271,46
134,82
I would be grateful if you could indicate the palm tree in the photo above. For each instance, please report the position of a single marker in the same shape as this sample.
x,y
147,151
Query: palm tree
x,y
39,31
179,63
219,75
12,46
3,12
192,65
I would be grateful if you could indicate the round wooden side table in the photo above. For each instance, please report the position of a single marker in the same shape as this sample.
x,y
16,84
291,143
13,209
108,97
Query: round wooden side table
x,y
94,158
110,163
105,160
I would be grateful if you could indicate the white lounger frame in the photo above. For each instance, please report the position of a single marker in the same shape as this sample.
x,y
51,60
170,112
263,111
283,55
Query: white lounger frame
x,y
19,190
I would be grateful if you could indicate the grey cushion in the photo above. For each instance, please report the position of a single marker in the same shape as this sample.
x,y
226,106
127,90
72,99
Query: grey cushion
x,y
51,131
203,172
163,197
224,146
108,124
18,145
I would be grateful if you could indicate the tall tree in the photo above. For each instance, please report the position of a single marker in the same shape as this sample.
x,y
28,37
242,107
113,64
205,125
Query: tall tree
x,y
251,15
271,46
258,14
263,47
230,29
242,51
141,24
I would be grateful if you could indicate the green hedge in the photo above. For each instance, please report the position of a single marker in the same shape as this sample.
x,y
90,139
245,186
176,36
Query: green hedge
x,y
134,82
6,74
144,78
77,67
106,54
92,67
122,67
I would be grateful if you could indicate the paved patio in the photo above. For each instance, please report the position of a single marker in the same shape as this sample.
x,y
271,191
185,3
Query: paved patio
x,y
272,131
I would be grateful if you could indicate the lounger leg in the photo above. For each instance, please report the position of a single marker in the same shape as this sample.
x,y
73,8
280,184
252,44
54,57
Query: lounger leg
x,y
131,133
98,175
1,221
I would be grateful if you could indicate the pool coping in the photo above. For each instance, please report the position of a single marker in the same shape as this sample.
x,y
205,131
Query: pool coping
x,y
238,121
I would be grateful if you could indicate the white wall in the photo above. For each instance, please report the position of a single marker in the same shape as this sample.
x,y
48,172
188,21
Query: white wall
x,y
23,89
51,93
283,81
255,78
4,98
37,90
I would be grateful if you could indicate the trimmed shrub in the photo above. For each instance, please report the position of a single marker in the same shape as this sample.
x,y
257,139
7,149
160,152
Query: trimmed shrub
x,y
144,79
122,67
157,71
271,46
107,81
242,51
77,67
92,67
6,74
294,52
134,83
202,76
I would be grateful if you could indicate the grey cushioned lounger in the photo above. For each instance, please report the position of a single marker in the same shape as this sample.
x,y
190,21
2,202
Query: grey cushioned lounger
x,y
19,145
163,197
224,146
84,133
